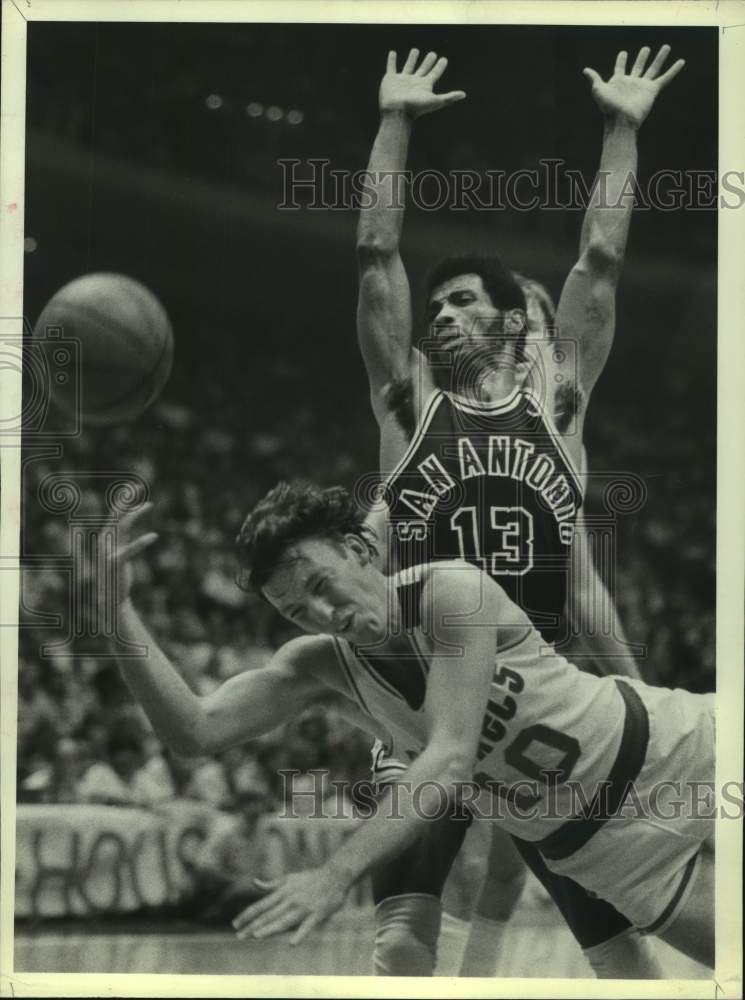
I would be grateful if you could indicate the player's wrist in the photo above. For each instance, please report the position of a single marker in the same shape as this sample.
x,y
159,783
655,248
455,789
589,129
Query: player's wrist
x,y
397,113
342,873
620,122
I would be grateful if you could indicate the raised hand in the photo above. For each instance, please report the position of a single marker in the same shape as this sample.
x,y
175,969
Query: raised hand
x,y
130,542
300,901
631,95
411,90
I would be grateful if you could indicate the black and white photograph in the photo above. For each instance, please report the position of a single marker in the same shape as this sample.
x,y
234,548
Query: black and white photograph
x,y
372,543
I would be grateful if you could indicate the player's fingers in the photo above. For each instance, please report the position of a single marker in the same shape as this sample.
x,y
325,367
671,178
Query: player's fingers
x,y
283,908
245,917
126,521
310,923
620,66
426,64
266,884
438,69
592,75
411,61
391,64
284,921
452,97
656,65
133,549
671,73
641,61
129,524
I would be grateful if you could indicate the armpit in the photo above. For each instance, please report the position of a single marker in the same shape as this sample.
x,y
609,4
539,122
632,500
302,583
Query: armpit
x,y
399,400
568,401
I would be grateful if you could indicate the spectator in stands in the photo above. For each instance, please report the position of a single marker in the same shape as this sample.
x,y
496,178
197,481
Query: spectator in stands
x,y
120,779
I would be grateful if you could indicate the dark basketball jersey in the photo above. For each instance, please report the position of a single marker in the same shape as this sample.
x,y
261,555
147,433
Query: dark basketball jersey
x,y
492,484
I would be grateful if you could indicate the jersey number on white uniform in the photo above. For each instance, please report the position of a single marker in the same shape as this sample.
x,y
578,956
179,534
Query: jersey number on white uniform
x,y
559,751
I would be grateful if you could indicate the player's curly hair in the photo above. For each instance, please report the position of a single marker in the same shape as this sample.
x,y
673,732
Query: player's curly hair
x,y
288,513
499,282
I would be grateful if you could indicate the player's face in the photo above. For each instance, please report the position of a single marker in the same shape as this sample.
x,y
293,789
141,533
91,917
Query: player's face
x,y
330,588
461,314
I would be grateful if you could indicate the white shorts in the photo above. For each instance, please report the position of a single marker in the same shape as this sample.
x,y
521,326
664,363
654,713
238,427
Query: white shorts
x,y
644,861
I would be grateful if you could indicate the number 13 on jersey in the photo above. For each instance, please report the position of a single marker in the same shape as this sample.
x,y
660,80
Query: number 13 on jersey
x,y
508,547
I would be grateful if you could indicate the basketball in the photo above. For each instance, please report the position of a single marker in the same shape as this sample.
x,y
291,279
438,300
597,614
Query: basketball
x,y
125,351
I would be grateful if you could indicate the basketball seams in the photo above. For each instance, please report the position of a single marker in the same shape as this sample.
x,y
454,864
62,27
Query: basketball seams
x,y
108,322
142,383
139,378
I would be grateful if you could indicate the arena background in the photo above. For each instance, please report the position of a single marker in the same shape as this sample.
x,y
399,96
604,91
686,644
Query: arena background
x,y
152,151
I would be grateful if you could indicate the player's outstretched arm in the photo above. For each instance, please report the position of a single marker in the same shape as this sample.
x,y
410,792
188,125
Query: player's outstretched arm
x,y
246,706
384,317
462,605
586,310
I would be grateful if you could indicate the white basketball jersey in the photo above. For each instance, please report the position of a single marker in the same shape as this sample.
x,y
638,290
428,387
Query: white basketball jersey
x,y
550,735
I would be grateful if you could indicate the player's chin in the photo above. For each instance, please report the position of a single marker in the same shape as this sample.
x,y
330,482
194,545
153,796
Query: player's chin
x,y
350,629
368,631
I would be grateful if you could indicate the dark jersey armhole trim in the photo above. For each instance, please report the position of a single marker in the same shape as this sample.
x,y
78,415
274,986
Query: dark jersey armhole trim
x,y
422,660
558,440
677,899
610,797
354,690
379,679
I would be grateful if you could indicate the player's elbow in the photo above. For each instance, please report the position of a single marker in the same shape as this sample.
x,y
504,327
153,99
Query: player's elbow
x,y
601,258
457,770
443,785
374,247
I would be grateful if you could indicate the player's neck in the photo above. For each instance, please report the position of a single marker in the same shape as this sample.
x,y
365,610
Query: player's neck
x,y
491,387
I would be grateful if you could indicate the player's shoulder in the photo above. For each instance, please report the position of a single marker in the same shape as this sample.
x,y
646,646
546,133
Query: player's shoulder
x,y
306,656
425,573
451,580
447,567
